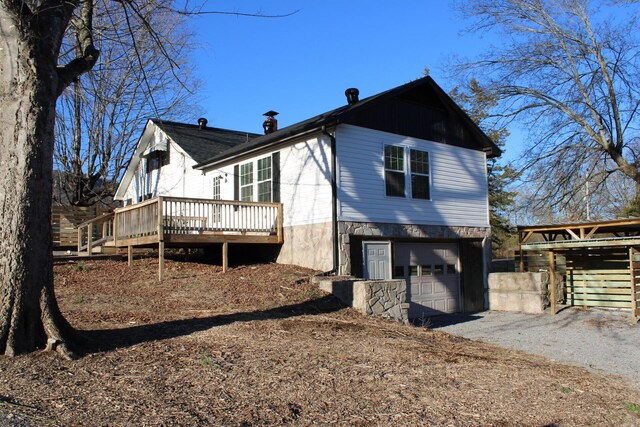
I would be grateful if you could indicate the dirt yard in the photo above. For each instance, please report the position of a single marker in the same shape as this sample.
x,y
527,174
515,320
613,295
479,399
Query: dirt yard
x,y
259,345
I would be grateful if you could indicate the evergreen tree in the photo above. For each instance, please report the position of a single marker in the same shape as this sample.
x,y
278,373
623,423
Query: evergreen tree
x,y
477,102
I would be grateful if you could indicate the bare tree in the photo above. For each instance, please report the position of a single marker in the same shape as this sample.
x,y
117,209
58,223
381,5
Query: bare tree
x,y
100,119
569,71
34,72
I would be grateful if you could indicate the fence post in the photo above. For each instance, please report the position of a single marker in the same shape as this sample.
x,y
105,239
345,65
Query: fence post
x,y
552,280
634,285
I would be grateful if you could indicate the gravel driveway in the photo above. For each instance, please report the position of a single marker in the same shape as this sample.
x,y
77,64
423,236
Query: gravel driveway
x,y
601,340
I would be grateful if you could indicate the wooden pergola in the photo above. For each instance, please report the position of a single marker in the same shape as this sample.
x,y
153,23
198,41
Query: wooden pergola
x,y
599,261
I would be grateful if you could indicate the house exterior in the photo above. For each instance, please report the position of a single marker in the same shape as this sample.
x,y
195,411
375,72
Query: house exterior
x,y
394,185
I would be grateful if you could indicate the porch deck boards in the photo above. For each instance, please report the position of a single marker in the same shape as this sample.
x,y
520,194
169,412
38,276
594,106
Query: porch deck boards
x,y
173,221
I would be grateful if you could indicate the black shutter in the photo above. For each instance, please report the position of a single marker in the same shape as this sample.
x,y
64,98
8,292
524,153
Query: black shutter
x,y
275,178
236,182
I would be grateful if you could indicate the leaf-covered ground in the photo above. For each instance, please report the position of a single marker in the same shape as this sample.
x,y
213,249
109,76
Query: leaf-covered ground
x,y
259,345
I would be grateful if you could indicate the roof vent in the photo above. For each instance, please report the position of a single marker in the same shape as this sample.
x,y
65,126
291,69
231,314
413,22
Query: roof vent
x,y
271,124
202,123
352,95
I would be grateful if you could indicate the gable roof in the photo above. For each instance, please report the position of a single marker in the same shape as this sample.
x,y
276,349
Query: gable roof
x,y
199,144
202,144
348,113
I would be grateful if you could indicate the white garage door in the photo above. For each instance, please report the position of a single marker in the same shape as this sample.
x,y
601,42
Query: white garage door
x,y
432,274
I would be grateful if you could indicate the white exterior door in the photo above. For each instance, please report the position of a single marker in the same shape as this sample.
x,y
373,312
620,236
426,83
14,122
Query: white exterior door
x,y
433,278
377,260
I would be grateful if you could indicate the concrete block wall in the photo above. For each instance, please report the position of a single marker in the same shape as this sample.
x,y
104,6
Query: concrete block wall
x,y
385,298
519,292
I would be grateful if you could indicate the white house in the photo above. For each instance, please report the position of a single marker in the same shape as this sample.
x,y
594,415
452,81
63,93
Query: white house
x,y
393,185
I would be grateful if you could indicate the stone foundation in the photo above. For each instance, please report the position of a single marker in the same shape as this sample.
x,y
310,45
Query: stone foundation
x,y
308,246
347,229
384,298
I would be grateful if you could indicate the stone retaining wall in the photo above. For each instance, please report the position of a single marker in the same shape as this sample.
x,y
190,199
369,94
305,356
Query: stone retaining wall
x,y
385,298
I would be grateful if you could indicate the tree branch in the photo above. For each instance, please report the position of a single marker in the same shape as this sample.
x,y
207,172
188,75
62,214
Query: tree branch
x,y
88,55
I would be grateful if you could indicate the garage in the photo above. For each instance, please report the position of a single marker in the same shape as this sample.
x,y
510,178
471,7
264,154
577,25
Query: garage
x,y
432,273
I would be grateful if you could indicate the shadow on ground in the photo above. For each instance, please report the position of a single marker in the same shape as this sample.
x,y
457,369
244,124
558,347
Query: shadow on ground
x,y
449,319
112,339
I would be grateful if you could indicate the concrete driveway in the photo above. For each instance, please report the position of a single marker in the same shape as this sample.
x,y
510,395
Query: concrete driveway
x,y
600,340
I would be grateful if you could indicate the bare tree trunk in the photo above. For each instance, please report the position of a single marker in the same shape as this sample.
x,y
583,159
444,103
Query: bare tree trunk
x,y
29,313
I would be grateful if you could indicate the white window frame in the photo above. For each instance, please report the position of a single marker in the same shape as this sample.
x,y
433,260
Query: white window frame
x,y
264,180
246,182
407,172
250,182
421,174
396,170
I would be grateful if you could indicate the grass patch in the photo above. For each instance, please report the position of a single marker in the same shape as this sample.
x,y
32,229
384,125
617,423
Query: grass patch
x,y
633,408
566,390
81,266
208,360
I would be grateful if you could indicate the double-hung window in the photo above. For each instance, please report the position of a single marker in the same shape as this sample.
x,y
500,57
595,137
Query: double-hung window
x,y
264,179
394,170
256,187
420,174
246,182
216,188
396,159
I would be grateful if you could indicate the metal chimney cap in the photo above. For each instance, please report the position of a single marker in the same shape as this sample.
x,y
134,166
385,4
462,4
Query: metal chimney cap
x,y
352,95
202,122
271,113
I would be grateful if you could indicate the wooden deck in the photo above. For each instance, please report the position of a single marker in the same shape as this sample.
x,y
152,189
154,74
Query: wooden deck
x,y
183,222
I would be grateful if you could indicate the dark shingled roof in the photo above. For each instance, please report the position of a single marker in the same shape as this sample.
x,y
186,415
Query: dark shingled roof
x,y
203,144
342,114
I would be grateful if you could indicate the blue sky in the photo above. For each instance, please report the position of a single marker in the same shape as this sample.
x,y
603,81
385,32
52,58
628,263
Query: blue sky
x,y
301,65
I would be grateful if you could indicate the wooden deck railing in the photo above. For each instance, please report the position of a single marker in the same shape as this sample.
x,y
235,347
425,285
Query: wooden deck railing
x,y
150,221
95,232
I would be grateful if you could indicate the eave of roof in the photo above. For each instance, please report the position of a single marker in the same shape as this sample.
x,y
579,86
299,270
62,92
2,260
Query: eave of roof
x,y
338,115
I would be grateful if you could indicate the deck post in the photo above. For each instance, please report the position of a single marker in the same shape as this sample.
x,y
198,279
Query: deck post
x,y
160,240
79,239
280,223
552,281
89,239
225,256
129,255
115,228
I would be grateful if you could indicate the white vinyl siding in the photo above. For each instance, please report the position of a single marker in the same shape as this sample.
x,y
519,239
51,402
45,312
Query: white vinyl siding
x,y
305,179
457,177
176,178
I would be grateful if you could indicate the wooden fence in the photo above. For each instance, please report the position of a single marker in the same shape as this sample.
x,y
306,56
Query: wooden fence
x,y
65,221
593,277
